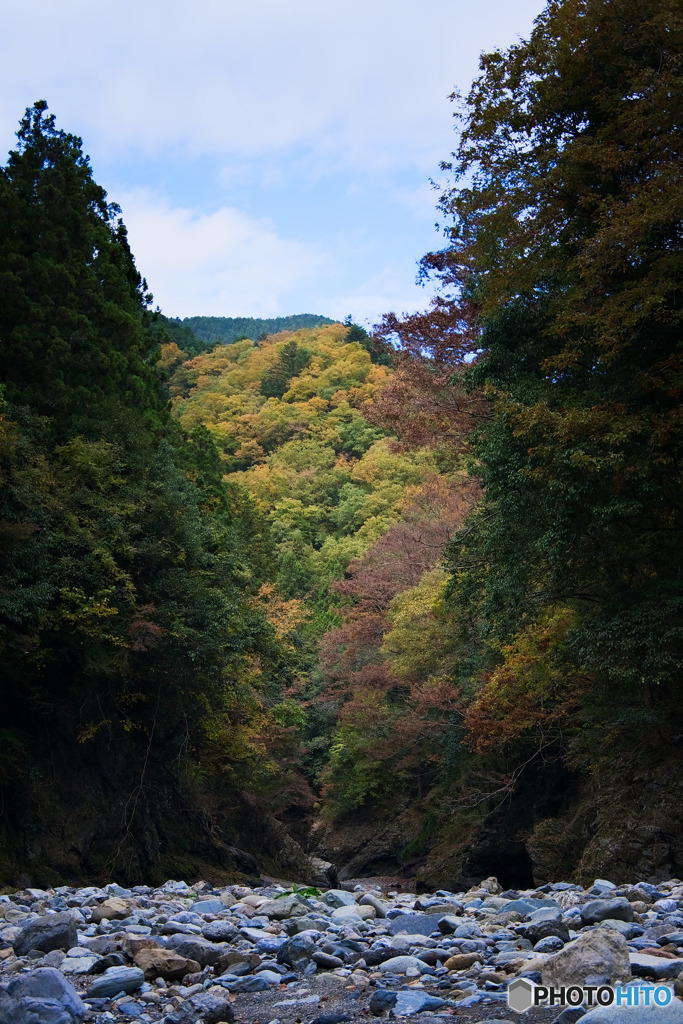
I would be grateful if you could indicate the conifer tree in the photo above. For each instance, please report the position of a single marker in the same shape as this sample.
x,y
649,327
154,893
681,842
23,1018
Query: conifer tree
x,y
73,318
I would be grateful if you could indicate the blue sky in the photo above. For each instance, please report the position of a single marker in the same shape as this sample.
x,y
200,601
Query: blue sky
x,y
269,157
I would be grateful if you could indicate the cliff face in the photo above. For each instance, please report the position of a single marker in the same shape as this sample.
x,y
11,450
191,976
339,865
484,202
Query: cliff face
x,y
555,826
100,812
96,812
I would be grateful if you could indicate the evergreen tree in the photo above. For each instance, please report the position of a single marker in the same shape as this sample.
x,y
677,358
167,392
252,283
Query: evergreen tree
x,y
129,619
73,322
291,361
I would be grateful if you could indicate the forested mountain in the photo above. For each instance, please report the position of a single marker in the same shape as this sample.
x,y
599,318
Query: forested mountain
x,y
423,584
226,329
551,363
292,418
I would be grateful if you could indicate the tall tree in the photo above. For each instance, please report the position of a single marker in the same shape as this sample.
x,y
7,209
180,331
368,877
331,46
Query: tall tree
x,y
566,219
131,634
73,323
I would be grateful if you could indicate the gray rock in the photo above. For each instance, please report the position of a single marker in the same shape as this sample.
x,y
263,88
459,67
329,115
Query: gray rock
x,y
220,931
414,924
238,969
449,923
469,930
78,964
204,952
255,934
671,1014
209,1007
286,906
371,901
255,983
337,898
382,1001
413,1001
54,931
311,1000
376,955
269,943
51,959
115,980
209,906
643,965
327,960
543,929
656,929
43,996
570,1015
527,904
601,886
179,928
599,910
298,950
111,960
550,944
596,952
272,977
400,964
629,929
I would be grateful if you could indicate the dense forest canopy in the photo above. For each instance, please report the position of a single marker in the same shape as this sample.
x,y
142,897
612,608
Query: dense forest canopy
x,y
226,329
129,615
562,272
327,568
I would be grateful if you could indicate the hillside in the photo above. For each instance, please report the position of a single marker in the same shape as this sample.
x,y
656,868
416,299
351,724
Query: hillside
x,y
226,329
291,416
411,600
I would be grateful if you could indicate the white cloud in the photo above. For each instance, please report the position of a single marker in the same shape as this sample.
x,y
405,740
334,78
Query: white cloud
x,y
327,115
219,264
355,83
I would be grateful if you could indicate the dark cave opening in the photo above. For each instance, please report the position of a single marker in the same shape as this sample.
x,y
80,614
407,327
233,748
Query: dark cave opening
x,y
509,862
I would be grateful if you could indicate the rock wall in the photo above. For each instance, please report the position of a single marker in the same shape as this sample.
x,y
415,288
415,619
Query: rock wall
x,y
554,826
100,812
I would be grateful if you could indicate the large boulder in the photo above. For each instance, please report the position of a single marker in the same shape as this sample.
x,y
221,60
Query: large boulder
x,y
43,996
671,1014
53,931
165,963
618,909
194,947
599,952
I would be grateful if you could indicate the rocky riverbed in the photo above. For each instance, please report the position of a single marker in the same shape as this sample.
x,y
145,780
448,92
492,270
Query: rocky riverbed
x,y
195,954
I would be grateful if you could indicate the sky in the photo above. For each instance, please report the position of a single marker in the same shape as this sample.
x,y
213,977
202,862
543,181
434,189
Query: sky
x,y
269,157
